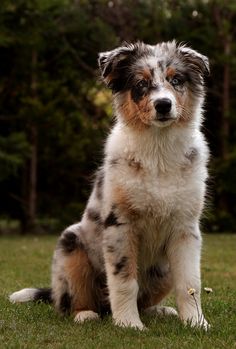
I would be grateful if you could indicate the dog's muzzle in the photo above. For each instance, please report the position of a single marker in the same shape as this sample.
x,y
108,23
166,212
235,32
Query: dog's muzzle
x,y
163,108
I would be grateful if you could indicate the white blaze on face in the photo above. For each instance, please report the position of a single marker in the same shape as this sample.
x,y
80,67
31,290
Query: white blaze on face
x,y
159,90
160,93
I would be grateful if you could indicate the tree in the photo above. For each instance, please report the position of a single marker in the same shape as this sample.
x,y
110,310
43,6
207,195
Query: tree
x,y
55,112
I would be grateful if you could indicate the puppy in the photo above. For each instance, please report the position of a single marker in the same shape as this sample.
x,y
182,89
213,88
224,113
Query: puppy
x,y
139,236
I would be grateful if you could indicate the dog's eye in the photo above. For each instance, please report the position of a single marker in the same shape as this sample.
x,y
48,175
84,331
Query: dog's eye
x,y
142,84
176,81
140,89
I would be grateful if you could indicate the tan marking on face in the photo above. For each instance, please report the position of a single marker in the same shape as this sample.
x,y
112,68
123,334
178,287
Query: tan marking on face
x,y
146,73
137,115
143,74
80,277
170,72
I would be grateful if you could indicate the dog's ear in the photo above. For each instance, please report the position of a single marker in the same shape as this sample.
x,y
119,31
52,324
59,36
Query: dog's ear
x,y
196,60
112,65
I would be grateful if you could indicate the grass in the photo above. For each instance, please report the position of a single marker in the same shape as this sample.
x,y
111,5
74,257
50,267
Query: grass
x,y
25,262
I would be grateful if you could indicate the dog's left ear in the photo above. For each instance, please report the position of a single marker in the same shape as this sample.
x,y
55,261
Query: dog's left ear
x,y
196,59
112,65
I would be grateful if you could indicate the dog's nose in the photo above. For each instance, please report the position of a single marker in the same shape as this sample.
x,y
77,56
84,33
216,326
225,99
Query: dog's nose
x,y
163,105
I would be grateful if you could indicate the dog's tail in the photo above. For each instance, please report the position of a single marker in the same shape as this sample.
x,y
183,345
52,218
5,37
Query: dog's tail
x,y
32,294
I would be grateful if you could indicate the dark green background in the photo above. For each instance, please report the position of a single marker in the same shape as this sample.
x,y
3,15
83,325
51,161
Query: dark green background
x,y
53,108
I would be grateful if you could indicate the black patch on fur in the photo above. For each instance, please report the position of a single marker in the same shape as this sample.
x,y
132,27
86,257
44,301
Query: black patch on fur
x,y
136,94
121,82
122,67
102,295
43,295
65,303
93,215
140,90
155,272
108,70
111,220
152,70
120,265
161,65
69,242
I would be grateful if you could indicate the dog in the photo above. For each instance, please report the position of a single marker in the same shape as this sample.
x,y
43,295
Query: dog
x,y
139,236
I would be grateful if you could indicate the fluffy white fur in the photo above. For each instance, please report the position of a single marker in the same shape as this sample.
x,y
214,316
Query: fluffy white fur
x,y
145,219
25,295
173,187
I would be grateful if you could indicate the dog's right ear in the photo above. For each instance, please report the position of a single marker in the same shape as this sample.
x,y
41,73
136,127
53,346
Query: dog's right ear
x,y
196,60
112,65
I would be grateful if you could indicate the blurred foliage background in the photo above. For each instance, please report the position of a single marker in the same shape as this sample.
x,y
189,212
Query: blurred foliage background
x,y
55,113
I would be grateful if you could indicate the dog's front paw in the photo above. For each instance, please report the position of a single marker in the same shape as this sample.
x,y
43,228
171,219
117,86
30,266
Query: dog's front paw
x,y
198,321
129,321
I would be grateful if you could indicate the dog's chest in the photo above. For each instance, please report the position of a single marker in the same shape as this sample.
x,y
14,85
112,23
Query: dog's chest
x,y
161,198
160,187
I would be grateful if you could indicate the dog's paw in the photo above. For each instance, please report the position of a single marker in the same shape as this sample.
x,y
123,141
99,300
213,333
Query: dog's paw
x,y
85,315
161,310
198,322
129,322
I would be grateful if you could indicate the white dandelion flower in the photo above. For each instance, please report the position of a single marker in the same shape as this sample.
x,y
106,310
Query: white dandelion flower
x,y
191,291
208,289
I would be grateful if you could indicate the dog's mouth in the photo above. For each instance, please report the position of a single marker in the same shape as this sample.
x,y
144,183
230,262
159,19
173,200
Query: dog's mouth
x,y
164,118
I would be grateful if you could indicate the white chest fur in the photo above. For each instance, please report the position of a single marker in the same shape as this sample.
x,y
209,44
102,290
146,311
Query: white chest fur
x,y
163,174
162,171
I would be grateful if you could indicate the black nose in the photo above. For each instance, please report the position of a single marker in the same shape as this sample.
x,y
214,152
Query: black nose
x,y
163,105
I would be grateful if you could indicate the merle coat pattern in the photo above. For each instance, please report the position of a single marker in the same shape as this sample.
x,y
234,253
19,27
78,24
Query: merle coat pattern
x,y
139,236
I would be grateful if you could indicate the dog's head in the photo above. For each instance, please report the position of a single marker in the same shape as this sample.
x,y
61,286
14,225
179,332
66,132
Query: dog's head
x,y
154,85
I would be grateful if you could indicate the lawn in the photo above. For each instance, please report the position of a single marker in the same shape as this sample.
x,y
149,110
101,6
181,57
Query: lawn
x,y
25,262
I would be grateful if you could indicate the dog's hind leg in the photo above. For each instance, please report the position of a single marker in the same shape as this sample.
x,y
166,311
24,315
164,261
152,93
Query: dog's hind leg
x,y
81,282
73,278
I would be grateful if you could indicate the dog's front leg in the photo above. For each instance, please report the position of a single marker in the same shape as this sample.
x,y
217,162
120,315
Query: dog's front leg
x,y
184,254
120,262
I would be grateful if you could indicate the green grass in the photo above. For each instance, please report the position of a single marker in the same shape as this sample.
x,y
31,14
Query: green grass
x,y
25,262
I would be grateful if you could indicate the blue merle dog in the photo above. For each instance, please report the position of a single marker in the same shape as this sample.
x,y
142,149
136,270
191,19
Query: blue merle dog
x,y
139,236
